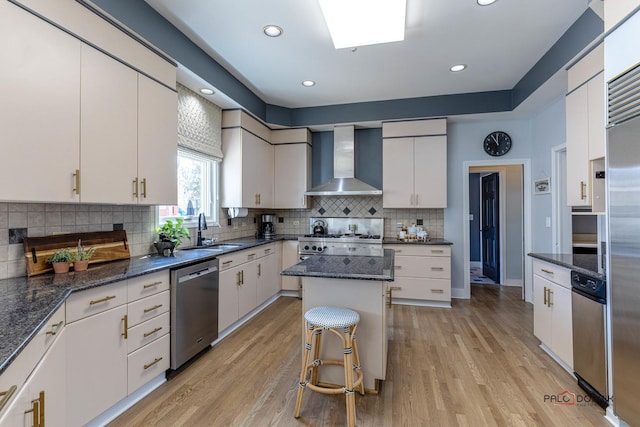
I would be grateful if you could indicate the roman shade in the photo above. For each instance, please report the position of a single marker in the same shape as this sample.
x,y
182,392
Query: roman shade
x,y
199,124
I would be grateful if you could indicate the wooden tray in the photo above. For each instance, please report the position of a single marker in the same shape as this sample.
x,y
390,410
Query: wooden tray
x,y
110,246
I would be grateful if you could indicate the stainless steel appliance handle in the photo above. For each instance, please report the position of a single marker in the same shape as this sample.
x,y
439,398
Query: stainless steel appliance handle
x,y
197,274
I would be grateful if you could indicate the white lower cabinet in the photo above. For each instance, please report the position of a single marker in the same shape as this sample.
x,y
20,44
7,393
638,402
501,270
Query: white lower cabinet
x,y
96,364
552,322
422,273
147,363
268,274
41,400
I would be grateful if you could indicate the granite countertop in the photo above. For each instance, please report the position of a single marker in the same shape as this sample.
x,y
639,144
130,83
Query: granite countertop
x,y
345,267
583,263
396,241
26,303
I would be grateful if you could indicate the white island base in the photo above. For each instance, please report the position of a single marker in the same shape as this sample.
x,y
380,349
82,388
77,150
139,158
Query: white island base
x,y
367,297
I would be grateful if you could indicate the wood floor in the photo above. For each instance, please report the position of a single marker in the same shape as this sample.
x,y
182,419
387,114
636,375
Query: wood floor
x,y
477,364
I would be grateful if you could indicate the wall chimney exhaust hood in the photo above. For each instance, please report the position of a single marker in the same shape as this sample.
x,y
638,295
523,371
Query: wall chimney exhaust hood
x,y
344,182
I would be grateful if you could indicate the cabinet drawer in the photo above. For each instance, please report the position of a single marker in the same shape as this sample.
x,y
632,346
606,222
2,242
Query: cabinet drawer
x,y
148,308
420,250
18,371
266,250
422,289
149,284
147,363
232,260
93,301
552,272
423,267
148,332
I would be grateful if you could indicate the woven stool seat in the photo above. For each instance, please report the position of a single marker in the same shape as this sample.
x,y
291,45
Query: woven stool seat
x,y
342,322
331,317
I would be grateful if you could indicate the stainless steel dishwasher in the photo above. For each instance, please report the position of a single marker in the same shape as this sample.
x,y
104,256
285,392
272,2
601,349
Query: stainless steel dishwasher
x,y
194,310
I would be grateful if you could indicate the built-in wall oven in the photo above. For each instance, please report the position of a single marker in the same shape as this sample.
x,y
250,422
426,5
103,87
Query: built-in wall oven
x,y
194,310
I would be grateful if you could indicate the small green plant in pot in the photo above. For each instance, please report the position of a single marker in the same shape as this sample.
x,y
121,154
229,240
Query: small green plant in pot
x,y
81,257
60,260
170,235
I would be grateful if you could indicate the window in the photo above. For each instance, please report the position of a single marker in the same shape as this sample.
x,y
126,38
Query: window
x,y
197,189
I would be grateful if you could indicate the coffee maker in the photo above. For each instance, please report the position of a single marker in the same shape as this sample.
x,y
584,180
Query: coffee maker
x,y
268,225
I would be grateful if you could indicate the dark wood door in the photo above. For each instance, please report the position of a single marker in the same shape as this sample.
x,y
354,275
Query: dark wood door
x,y
491,227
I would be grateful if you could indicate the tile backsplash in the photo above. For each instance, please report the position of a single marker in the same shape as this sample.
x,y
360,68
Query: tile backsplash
x,y
45,219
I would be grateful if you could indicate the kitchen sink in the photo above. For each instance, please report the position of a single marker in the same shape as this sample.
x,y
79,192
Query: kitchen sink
x,y
215,248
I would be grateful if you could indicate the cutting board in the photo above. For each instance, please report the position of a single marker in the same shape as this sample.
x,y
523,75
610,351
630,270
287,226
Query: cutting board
x,y
110,246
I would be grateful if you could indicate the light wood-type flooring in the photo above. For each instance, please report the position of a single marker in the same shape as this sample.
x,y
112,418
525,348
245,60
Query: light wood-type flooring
x,y
477,364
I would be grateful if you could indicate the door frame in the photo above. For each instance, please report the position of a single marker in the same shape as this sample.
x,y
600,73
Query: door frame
x,y
502,173
527,293
556,182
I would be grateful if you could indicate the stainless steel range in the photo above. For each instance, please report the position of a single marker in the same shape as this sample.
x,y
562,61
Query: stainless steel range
x,y
343,236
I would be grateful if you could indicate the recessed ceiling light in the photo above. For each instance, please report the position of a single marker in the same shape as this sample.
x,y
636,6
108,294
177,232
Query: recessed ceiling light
x,y
364,22
458,67
485,2
272,31
308,83
206,91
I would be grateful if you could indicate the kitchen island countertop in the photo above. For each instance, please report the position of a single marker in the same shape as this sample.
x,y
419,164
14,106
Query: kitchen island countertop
x,y
345,267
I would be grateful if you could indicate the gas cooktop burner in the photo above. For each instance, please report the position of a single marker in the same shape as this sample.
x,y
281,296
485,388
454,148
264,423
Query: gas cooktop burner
x,y
344,236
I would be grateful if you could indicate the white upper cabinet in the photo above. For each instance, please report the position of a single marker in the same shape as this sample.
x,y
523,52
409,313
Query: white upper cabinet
x,y
247,168
108,129
40,113
414,168
585,115
157,143
292,168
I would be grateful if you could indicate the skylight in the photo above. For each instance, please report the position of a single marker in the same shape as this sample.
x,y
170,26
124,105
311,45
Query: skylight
x,y
354,23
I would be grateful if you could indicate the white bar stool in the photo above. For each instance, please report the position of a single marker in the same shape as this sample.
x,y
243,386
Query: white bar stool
x,y
342,322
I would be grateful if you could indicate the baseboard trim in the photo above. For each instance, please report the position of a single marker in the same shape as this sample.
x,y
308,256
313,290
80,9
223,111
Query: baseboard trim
x,y
458,293
421,303
513,282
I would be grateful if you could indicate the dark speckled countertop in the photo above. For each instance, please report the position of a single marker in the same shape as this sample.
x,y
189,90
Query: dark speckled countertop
x,y
394,241
583,263
345,267
27,303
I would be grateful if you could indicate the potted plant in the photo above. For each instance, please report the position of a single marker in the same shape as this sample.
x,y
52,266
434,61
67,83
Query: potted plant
x,y
170,235
60,260
81,257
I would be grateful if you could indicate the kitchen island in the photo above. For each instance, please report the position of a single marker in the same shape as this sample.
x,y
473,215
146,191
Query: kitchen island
x,y
358,283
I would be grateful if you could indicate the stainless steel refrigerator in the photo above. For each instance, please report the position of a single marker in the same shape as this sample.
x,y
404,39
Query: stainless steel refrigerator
x,y
623,176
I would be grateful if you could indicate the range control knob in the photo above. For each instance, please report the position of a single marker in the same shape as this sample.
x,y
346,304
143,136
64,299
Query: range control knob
x,y
306,247
313,247
320,248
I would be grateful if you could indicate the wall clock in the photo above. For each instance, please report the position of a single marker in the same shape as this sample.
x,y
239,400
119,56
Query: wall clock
x,y
497,143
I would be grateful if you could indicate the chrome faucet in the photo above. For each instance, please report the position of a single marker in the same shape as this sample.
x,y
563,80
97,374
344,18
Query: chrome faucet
x,y
202,225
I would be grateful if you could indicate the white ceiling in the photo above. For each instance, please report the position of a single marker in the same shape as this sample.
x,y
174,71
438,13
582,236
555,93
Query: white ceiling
x,y
500,43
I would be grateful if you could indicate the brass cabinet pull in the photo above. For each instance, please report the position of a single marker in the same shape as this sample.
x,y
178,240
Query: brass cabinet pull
x,y
417,199
135,187
227,262
238,278
77,177
545,295
6,396
144,188
583,187
390,293
155,307
398,251
55,328
150,285
437,251
259,270
397,267
266,251
549,303
251,255
437,268
125,334
259,198
156,360
411,199
547,271
152,332
37,409
105,299
437,291
255,199
242,277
